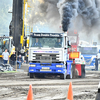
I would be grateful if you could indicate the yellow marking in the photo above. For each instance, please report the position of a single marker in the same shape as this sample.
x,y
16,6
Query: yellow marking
x,y
23,23
0,55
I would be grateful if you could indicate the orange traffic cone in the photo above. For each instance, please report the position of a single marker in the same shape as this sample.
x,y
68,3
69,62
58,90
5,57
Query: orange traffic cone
x,y
30,93
70,92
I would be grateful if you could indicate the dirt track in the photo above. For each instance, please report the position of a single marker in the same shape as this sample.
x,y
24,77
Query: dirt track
x,y
14,86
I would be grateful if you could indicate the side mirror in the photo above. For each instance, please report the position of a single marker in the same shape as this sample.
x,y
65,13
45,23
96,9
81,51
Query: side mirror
x,y
65,47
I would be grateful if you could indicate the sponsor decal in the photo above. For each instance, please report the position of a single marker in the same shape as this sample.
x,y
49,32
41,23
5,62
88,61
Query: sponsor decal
x,y
47,34
46,51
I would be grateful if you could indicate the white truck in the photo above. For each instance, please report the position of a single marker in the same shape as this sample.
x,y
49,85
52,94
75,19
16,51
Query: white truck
x,y
48,54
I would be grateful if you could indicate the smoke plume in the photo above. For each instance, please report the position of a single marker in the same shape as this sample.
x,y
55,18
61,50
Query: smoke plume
x,y
86,12
45,12
80,15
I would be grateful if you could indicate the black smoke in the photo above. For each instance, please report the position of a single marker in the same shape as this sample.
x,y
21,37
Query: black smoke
x,y
88,10
76,14
67,15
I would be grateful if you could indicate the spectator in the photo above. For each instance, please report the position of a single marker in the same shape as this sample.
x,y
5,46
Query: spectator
x,y
96,63
5,56
26,58
13,58
19,60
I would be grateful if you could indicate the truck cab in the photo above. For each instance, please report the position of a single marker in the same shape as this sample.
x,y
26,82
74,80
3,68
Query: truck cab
x,y
47,54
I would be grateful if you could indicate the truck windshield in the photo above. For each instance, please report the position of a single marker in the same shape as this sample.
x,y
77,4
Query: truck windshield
x,y
4,44
46,42
88,50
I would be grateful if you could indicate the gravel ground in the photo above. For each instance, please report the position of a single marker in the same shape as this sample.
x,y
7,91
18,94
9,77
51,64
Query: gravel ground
x,y
15,86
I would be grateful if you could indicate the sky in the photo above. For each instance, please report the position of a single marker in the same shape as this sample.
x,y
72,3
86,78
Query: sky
x,y
5,17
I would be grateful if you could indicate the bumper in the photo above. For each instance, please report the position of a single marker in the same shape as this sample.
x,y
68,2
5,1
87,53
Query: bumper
x,y
60,71
47,68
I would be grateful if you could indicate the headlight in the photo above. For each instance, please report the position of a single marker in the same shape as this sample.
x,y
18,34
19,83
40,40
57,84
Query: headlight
x,y
59,65
59,70
32,65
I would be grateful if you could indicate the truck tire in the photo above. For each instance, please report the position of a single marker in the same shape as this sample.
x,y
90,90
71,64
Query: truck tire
x,y
83,74
31,75
68,77
76,73
63,76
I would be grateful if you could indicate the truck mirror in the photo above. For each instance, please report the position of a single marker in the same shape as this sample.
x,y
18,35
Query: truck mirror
x,y
65,47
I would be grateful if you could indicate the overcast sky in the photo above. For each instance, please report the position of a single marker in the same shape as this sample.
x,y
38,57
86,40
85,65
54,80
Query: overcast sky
x,y
5,17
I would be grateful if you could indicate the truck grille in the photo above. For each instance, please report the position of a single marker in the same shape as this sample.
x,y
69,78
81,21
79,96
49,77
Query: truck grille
x,y
45,58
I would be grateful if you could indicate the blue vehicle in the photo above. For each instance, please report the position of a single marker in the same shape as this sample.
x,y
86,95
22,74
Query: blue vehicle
x,y
89,54
48,54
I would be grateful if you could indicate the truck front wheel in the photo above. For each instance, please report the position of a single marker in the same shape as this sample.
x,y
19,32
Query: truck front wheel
x,y
63,76
68,76
31,75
